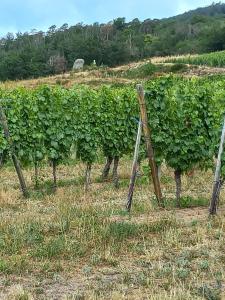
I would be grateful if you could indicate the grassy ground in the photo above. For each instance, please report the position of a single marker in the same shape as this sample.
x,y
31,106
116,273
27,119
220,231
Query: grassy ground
x,y
214,59
72,245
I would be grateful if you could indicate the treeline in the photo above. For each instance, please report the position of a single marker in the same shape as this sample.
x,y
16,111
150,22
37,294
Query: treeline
x,y
37,53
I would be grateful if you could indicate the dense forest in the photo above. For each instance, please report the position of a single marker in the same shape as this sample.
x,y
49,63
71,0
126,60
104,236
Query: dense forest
x,y
37,53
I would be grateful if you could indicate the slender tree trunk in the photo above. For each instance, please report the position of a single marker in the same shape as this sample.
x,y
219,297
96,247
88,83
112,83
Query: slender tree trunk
x,y
115,176
2,158
177,175
36,174
106,169
215,197
130,42
87,177
54,166
138,168
12,153
20,176
159,171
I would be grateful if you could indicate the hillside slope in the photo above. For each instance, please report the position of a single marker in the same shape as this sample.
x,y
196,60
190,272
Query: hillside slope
x,y
130,73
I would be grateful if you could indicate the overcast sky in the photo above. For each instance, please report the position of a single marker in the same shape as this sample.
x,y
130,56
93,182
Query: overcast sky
x,y
24,15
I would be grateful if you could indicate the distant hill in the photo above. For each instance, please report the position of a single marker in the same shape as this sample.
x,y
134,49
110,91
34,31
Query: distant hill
x,y
37,53
216,9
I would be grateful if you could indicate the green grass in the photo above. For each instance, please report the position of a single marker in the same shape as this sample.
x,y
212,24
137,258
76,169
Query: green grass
x,y
214,59
149,69
141,72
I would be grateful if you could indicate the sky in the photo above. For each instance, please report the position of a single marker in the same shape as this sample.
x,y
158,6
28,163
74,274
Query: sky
x,y
24,15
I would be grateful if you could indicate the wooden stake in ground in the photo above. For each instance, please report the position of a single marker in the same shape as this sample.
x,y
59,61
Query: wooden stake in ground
x,y
217,179
134,168
115,177
12,152
150,153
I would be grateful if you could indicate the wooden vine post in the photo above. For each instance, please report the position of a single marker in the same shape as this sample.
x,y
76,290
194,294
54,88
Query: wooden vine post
x,y
149,148
12,152
217,179
134,168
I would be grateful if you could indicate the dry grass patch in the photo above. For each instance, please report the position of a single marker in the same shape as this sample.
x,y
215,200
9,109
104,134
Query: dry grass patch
x,y
72,245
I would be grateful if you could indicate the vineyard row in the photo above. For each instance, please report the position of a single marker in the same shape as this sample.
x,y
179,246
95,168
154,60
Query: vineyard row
x,y
49,123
